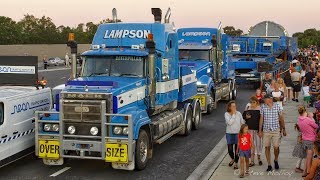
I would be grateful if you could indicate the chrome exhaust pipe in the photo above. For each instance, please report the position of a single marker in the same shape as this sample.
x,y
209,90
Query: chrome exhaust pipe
x,y
167,16
114,15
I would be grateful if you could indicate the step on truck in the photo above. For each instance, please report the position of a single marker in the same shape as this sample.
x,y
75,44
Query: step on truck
x,y
19,99
131,93
205,51
267,48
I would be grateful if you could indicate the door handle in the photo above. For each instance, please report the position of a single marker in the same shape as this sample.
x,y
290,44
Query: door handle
x,y
4,136
16,132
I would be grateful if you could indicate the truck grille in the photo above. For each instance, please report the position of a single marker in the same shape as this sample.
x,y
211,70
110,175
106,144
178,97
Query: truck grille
x,y
82,111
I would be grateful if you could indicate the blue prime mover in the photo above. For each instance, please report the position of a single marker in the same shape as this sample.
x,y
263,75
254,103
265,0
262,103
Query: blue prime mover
x,y
205,51
131,93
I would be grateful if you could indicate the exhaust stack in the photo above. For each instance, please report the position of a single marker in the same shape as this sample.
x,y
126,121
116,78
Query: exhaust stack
x,y
167,16
114,15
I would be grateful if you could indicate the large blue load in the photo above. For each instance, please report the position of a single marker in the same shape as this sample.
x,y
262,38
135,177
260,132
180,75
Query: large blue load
x,y
267,48
204,50
131,93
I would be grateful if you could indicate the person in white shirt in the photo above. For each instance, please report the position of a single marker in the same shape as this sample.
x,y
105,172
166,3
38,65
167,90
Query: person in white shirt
x,y
278,95
296,80
234,120
306,94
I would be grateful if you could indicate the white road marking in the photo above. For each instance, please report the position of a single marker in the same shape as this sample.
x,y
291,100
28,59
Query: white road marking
x,y
48,70
60,172
63,78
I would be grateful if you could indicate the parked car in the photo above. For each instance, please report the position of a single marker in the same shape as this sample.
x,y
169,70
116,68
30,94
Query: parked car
x,y
56,61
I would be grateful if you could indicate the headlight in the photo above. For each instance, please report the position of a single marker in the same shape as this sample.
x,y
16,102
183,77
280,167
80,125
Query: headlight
x,y
47,127
55,127
201,89
94,131
71,129
198,83
125,131
117,130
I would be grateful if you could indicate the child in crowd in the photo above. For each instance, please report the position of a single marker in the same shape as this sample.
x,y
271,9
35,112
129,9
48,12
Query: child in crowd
x,y
306,94
314,172
298,150
245,144
259,94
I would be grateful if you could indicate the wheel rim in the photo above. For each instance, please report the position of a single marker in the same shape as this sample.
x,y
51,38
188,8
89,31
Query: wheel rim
x,y
211,102
143,151
197,118
189,123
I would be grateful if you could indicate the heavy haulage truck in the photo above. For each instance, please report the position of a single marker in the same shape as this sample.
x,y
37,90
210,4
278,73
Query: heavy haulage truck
x,y
131,93
267,48
205,51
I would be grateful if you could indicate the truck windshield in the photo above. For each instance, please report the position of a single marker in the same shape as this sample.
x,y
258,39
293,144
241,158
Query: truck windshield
x,y
129,66
194,55
1,113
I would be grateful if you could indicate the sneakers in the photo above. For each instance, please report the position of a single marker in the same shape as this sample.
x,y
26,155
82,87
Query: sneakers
x,y
276,165
269,168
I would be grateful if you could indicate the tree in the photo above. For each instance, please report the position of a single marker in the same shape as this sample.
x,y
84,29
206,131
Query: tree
x,y
10,32
231,31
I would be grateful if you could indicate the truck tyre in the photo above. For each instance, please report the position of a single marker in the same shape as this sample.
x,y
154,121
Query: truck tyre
x,y
234,94
142,147
211,105
188,121
197,116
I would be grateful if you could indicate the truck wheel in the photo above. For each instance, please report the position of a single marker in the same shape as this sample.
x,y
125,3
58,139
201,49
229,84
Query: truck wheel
x,y
211,104
234,94
197,116
188,121
141,155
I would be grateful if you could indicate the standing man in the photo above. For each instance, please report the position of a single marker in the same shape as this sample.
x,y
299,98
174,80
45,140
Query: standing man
x,y
45,62
266,82
67,60
272,122
315,89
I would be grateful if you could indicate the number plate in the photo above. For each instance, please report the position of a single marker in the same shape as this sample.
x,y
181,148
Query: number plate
x,y
117,153
49,149
202,99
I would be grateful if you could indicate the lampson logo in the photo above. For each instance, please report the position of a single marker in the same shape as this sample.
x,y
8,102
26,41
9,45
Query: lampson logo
x,y
196,34
18,69
117,34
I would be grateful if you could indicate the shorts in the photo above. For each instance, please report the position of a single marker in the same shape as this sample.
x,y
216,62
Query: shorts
x,y
288,87
232,138
296,87
307,145
307,98
273,137
245,153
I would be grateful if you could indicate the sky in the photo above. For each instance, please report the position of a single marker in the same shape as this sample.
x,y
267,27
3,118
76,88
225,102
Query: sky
x,y
294,15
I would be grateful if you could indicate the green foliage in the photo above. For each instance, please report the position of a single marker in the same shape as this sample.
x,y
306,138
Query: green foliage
x,y
33,30
231,31
308,37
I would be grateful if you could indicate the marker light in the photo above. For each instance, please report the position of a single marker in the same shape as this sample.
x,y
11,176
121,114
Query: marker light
x,y
94,131
71,37
71,129
150,37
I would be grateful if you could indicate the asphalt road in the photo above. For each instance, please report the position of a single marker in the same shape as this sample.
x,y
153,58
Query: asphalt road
x,y
174,159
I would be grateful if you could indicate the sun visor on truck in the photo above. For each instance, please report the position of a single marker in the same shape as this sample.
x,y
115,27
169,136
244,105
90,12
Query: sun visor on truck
x,y
18,70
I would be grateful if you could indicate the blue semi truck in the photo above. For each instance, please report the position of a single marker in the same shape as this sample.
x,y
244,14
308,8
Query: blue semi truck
x,y
267,48
131,93
205,51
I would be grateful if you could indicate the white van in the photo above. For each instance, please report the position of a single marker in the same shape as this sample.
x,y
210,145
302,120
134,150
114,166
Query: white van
x,y
17,106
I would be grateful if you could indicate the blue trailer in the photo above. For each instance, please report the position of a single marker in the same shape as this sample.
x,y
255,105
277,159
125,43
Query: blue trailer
x,y
131,93
205,51
267,48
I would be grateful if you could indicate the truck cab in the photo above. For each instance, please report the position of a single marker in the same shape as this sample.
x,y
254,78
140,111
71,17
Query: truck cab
x,y
19,99
131,93
204,50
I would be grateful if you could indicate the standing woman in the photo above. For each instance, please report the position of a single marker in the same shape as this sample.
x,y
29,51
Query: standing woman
x,y
252,117
234,121
283,88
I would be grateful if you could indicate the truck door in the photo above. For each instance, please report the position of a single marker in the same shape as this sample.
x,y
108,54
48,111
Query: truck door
x,y
5,129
